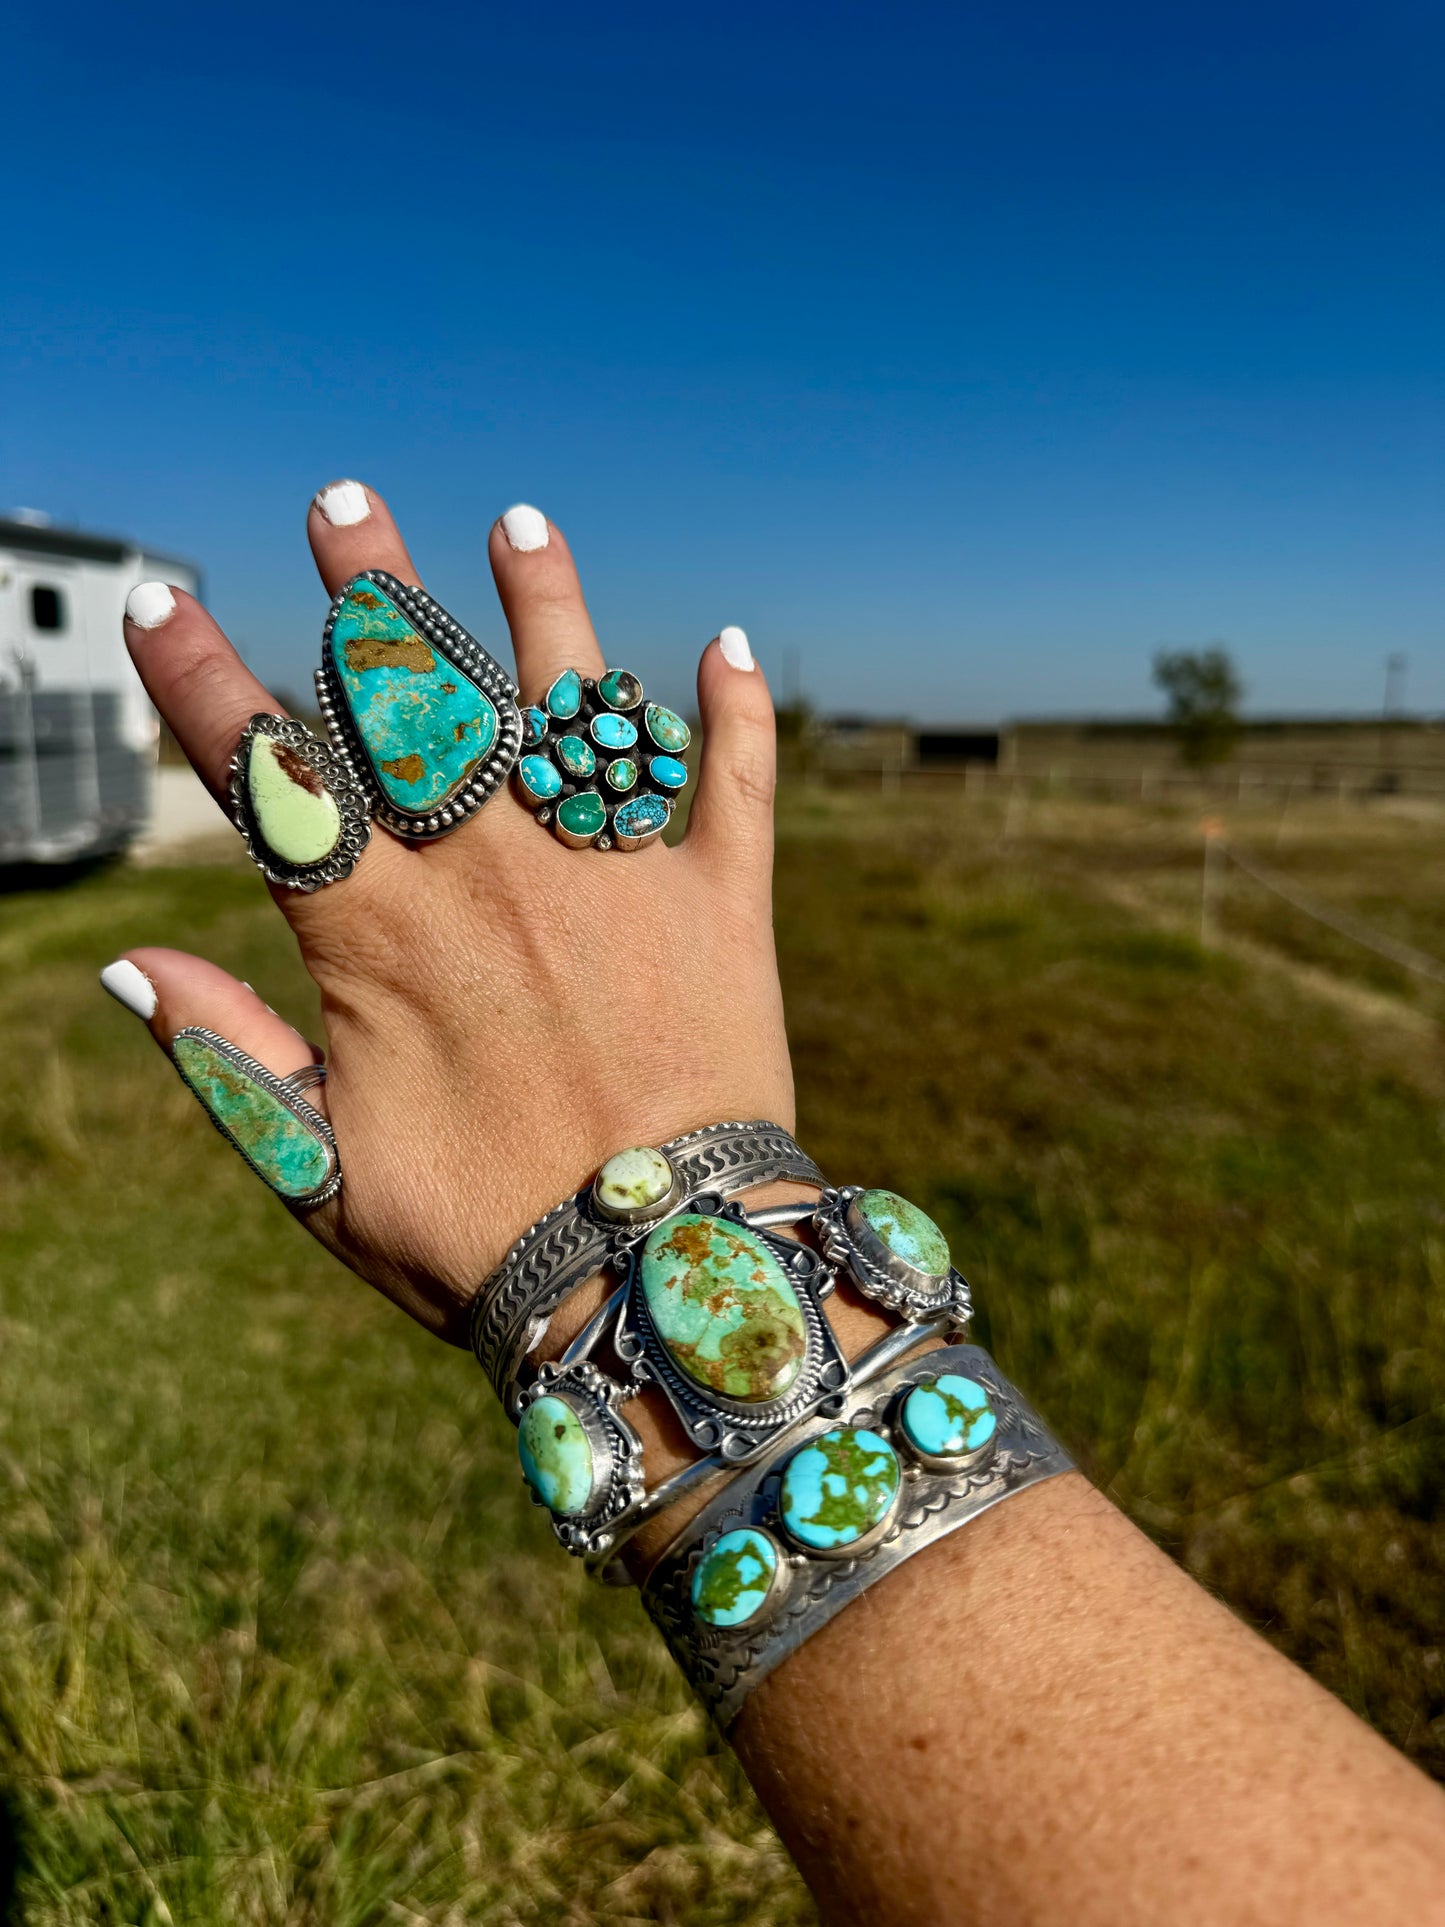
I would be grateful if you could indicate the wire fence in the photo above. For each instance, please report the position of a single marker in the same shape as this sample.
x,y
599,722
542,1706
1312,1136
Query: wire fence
x,y
1420,962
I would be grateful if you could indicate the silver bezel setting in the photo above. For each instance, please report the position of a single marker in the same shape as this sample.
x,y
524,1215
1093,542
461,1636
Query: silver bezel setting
x,y
351,802
277,1087
735,1429
450,640
778,1587
641,1214
866,1542
616,1453
851,1243
942,1461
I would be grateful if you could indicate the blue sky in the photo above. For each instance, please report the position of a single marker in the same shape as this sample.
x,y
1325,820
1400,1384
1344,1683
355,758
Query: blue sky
x,y
963,355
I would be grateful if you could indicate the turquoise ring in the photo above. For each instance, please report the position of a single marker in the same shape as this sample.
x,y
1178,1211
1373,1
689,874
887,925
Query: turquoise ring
x,y
600,766
293,799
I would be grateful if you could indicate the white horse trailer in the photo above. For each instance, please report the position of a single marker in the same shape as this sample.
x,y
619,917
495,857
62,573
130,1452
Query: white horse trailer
x,y
77,735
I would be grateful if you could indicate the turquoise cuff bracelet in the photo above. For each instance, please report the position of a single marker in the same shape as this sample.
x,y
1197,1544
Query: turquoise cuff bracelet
x,y
795,1538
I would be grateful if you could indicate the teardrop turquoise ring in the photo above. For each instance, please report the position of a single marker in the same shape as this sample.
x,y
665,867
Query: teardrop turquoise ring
x,y
600,765
292,798
425,720
285,1140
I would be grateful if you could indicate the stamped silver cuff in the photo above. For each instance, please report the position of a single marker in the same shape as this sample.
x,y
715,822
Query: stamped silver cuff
x,y
577,1238
791,1541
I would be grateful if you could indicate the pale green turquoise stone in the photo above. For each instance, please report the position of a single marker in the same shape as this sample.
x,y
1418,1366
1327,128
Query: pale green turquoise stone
x,y
556,1456
622,773
293,809
734,1577
633,1180
724,1307
287,1153
948,1416
837,1488
667,729
424,724
909,1233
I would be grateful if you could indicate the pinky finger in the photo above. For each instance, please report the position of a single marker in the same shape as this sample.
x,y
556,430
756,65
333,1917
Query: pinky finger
x,y
176,996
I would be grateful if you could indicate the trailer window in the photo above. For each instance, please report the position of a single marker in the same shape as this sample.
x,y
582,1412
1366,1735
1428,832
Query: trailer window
x,y
47,607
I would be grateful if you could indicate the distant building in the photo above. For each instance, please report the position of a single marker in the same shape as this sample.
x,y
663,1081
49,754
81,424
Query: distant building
x,y
77,734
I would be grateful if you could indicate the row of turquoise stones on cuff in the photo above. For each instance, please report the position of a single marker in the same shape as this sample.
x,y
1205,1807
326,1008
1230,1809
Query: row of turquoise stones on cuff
x,y
838,1494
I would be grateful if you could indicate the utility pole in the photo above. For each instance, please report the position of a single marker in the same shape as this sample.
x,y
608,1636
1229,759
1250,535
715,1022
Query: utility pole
x,y
1395,667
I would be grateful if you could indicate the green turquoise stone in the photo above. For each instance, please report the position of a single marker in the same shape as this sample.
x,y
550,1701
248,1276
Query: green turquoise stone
x,y
292,807
268,1134
910,1234
620,689
577,757
734,1577
613,732
667,772
622,774
667,729
583,814
534,726
641,816
539,779
564,698
724,1307
949,1416
837,1488
556,1456
423,723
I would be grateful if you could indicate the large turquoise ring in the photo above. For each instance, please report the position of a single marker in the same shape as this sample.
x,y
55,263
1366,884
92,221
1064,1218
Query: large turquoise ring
x,y
600,765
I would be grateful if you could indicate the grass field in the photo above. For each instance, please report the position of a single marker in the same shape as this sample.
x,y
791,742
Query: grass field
x,y
280,1639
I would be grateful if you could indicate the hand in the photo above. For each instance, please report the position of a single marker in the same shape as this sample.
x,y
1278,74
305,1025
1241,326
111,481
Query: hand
x,y
501,1013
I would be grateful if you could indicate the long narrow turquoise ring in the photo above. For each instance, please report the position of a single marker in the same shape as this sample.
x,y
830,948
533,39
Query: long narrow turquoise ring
x,y
285,1140
601,766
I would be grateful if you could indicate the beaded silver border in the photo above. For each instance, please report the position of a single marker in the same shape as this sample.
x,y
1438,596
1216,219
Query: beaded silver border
x,y
733,1428
278,1087
350,800
725,1663
594,1398
449,639
880,1274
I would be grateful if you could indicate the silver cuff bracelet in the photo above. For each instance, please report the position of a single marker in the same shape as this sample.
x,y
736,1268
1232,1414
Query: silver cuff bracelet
x,y
792,1540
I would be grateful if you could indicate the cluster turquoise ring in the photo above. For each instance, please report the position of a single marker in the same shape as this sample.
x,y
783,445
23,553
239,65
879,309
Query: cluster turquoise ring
x,y
600,765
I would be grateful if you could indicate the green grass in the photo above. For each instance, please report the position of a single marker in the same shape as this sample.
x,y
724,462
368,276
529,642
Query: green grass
x,y
281,1640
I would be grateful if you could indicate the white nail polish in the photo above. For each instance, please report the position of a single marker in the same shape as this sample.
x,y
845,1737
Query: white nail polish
x,y
525,528
344,504
130,987
150,604
735,651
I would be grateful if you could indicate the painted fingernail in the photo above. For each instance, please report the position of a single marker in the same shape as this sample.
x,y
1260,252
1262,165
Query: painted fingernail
x,y
150,604
131,987
735,651
344,504
525,528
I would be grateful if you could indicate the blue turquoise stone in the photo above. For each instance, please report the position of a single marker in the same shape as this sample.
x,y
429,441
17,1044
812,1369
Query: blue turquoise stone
x,y
734,1577
949,1416
724,1307
423,723
539,779
667,772
576,755
620,689
613,732
269,1135
641,816
667,729
564,698
837,1488
622,774
556,1456
910,1234
534,726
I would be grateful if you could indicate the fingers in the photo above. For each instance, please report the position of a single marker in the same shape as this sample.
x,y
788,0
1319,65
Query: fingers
x,y
542,599
350,529
731,824
194,677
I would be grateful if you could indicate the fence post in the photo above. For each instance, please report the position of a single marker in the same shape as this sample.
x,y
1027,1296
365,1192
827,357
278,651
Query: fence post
x,y
1209,888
